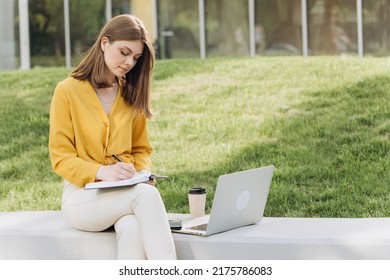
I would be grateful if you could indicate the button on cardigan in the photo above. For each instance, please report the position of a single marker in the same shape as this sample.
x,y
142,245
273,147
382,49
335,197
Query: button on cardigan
x,y
82,136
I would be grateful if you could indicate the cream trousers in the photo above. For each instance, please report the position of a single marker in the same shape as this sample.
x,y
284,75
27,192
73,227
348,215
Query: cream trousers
x,y
137,213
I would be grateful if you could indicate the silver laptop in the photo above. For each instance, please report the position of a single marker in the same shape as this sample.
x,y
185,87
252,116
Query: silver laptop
x,y
239,200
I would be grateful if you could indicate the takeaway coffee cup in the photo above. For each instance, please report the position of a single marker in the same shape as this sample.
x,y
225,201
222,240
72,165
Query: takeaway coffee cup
x,y
197,201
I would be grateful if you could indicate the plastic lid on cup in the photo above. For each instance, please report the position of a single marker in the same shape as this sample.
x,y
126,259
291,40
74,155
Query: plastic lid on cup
x,y
197,191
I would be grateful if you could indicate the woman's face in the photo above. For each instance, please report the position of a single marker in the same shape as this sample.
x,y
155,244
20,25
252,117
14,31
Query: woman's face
x,y
120,56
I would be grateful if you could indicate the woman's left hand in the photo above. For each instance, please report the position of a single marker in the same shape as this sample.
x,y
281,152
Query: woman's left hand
x,y
152,182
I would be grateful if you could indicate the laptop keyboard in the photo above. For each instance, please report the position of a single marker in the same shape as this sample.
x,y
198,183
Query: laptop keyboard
x,y
201,227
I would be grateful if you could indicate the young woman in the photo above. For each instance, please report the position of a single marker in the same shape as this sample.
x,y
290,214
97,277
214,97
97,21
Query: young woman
x,y
102,109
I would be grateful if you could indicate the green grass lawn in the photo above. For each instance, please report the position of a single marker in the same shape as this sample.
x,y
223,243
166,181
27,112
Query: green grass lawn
x,y
324,122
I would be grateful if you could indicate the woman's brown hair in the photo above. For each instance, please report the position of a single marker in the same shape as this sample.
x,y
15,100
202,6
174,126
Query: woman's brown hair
x,y
136,84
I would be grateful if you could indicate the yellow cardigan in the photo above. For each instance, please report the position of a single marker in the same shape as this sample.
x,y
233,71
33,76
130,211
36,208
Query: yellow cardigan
x,y
82,136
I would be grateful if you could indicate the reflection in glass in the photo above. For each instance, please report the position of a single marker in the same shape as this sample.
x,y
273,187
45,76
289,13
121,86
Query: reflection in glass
x,y
178,24
120,7
227,28
86,19
47,43
278,27
332,27
376,27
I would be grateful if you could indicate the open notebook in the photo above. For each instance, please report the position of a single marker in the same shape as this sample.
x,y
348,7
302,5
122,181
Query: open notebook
x,y
141,177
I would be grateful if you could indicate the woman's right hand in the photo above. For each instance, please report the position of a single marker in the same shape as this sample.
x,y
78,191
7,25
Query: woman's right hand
x,y
115,172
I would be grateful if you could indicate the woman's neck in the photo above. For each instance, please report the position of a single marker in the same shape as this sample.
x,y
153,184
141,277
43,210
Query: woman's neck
x,y
107,97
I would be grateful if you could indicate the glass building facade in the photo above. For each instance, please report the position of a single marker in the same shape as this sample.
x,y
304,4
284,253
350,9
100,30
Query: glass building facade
x,y
56,32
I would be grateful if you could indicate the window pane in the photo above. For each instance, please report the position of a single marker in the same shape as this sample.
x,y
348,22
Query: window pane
x,y
376,27
8,35
278,27
332,27
86,19
46,19
227,27
120,7
178,29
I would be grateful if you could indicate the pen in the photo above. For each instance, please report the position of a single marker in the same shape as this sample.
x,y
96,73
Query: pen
x,y
118,159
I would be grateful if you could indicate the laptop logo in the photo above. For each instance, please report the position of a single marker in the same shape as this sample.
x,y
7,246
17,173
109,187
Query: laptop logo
x,y
242,200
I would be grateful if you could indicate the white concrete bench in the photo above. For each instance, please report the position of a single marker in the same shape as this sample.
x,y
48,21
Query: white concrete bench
x,y
46,235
